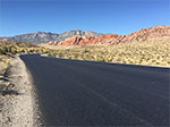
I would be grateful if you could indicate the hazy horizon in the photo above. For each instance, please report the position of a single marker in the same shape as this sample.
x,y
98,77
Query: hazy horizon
x,y
102,16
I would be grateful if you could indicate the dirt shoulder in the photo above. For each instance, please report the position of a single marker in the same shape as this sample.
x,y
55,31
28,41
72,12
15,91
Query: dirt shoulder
x,y
18,106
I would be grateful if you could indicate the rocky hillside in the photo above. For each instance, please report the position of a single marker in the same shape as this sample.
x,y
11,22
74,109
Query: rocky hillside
x,y
149,34
78,37
157,33
44,37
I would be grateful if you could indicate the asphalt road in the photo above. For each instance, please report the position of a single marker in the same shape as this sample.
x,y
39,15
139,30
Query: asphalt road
x,y
75,93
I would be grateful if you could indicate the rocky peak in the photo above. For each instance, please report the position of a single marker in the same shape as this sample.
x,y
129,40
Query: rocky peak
x,y
85,37
158,32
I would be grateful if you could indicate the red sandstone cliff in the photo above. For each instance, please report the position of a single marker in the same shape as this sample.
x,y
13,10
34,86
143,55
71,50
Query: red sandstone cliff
x,y
142,35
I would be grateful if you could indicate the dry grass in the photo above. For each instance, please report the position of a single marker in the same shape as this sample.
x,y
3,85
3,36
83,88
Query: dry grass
x,y
152,53
4,64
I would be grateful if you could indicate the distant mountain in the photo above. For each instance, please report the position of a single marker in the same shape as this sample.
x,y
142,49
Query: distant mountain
x,y
39,37
78,37
150,34
44,37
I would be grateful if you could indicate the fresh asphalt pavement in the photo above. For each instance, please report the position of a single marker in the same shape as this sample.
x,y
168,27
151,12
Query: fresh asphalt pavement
x,y
82,93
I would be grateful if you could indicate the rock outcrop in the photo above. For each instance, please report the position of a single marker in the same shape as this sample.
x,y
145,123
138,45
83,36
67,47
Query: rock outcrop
x,y
158,32
45,37
78,37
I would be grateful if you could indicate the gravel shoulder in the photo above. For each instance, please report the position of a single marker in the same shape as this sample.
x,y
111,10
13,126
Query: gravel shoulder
x,y
18,99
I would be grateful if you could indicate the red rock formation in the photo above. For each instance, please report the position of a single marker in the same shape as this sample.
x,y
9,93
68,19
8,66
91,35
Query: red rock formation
x,y
142,35
147,34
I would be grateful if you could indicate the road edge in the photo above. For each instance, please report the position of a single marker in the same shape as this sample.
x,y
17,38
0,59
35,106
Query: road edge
x,y
19,105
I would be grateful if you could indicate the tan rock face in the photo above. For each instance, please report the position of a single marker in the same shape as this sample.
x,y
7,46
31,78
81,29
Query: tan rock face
x,y
142,35
146,34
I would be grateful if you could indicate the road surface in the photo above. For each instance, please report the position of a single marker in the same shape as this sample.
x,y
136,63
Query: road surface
x,y
76,93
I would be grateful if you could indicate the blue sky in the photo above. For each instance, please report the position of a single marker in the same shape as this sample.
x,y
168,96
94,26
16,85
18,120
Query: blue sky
x,y
105,16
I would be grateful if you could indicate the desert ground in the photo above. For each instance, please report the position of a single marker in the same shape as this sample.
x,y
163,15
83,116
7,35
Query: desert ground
x,y
149,53
18,104
16,84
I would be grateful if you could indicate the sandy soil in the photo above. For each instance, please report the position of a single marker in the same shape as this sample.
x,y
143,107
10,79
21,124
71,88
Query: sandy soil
x,y
18,103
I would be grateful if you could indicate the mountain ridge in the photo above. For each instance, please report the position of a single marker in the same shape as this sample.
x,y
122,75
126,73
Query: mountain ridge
x,y
79,37
44,37
154,33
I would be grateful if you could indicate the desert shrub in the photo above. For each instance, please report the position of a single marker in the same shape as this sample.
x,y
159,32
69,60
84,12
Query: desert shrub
x,y
145,53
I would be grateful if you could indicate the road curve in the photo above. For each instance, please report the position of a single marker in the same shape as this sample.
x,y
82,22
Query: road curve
x,y
76,93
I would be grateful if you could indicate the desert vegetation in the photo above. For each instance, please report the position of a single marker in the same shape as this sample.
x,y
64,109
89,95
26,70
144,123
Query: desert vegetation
x,y
7,48
153,53
4,64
